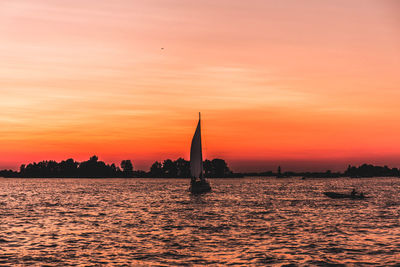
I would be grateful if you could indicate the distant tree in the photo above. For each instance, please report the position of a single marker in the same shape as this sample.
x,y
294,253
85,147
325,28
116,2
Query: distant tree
x,y
127,168
156,169
169,168
94,168
113,167
183,168
68,168
22,169
220,168
208,168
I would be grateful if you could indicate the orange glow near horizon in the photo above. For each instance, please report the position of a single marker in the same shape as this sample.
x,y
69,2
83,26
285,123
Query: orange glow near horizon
x,y
309,84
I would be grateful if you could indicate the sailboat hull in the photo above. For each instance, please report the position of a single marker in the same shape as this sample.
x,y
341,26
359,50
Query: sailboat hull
x,y
340,195
199,187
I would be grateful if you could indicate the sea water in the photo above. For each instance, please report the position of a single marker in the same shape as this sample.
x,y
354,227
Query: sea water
x,y
249,221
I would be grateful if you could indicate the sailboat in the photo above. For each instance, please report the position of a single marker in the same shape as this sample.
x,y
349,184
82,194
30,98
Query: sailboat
x,y
198,183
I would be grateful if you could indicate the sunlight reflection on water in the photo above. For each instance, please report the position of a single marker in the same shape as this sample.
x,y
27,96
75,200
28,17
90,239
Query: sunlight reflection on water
x,y
262,221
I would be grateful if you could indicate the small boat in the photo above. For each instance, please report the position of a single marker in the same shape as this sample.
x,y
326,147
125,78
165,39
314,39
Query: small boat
x,y
348,196
198,183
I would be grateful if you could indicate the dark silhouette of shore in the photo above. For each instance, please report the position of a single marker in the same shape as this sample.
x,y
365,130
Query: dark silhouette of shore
x,y
180,168
368,170
362,171
93,168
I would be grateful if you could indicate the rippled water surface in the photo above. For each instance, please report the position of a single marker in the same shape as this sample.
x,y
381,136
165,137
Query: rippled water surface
x,y
261,221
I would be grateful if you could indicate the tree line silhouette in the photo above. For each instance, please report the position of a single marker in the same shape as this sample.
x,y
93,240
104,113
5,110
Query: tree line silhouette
x,y
368,170
93,168
180,168
362,171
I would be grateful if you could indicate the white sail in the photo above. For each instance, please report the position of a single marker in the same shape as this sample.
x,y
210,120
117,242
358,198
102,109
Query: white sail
x,y
196,157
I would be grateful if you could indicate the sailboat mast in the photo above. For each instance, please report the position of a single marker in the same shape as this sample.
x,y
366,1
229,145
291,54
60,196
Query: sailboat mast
x,y
201,151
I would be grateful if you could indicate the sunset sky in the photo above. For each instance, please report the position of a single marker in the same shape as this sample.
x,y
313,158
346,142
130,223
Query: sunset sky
x,y
308,85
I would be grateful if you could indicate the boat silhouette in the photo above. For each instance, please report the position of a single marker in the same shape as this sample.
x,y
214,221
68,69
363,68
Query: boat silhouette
x,y
198,183
342,195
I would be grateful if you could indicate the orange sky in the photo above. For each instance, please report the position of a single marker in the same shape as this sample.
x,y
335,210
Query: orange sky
x,y
306,84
